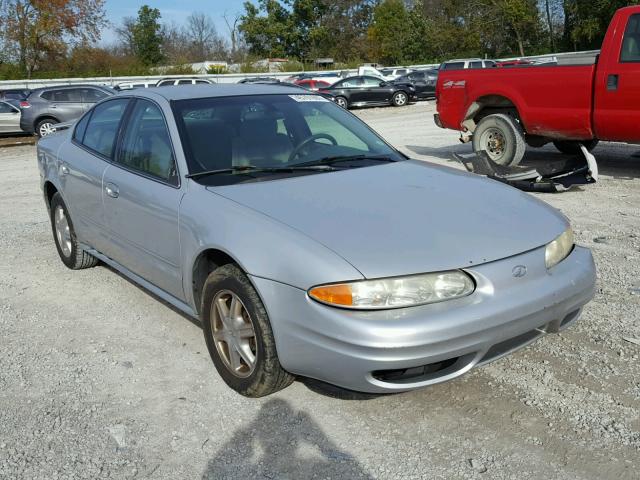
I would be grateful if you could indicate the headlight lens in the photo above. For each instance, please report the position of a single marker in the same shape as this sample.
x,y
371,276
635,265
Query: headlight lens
x,y
395,292
559,249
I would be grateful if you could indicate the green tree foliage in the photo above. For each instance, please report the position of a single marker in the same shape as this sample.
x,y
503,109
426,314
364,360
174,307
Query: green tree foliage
x,y
146,36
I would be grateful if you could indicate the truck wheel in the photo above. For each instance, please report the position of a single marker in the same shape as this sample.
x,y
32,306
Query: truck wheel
x,y
239,336
573,147
501,137
71,254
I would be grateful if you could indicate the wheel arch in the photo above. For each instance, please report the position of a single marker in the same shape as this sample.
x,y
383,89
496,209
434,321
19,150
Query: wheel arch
x,y
487,105
205,262
44,116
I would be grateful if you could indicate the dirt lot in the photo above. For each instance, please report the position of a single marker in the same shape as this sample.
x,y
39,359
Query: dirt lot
x,y
98,379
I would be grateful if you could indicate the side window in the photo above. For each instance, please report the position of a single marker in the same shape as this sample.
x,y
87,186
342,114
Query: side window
x,y
453,66
92,95
631,43
202,81
102,127
81,127
56,95
372,82
165,82
74,95
351,82
402,71
6,108
475,64
185,82
147,147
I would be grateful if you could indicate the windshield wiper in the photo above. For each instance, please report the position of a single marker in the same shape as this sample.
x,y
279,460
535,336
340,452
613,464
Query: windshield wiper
x,y
254,169
346,158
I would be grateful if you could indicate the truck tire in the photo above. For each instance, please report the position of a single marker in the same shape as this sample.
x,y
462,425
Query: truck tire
x,y
501,137
573,147
238,334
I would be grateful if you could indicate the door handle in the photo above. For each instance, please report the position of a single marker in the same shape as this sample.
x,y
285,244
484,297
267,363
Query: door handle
x,y
112,190
64,169
54,106
612,83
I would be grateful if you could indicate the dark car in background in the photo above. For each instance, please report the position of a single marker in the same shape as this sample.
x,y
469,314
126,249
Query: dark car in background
x,y
45,107
424,81
14,94
363,90
260,80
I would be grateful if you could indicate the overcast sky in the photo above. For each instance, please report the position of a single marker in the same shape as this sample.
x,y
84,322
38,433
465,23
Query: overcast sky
x,y
171,10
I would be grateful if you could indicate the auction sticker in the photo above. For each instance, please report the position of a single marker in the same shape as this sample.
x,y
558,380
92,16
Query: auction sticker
x,y
308,98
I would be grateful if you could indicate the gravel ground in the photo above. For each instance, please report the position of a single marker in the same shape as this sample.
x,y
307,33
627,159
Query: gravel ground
x,y
99,379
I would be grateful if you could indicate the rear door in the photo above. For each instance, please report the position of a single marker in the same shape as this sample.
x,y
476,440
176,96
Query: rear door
x,y
64,104
142,194
617,87
9,118
83,163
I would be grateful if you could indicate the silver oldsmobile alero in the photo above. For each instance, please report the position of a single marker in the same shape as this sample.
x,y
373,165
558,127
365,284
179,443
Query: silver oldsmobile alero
x,y
304,242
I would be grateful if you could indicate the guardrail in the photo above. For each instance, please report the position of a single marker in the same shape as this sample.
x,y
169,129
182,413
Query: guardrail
x,y
224,78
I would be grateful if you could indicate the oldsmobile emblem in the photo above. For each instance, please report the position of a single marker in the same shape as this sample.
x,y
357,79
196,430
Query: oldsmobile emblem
x,y
519,271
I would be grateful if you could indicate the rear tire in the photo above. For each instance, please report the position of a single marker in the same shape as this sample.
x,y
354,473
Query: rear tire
x,y
400,99
342,102
573,147
64,236
44,127
501,137
239,336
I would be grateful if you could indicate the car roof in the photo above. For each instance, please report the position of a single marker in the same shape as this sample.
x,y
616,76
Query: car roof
x,y
75,85
184,92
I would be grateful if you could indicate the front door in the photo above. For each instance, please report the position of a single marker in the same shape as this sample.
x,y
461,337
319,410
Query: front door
x,y
142,196
616,112
9,118
376,90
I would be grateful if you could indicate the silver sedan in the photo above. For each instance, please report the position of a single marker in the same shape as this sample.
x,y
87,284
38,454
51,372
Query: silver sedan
x,y
304,242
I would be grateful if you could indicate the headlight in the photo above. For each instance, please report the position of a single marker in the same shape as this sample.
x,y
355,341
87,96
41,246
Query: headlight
x,y
559,249
395,292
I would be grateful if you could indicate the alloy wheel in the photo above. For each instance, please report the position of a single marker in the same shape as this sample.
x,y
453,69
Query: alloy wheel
x,y
401,99
46,128
233,334
63,232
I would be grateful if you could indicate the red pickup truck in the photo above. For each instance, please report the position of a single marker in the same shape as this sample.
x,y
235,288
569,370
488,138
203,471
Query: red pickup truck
x,y
580,100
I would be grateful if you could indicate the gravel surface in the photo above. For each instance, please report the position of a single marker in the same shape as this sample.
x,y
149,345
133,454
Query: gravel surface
x,y
99,379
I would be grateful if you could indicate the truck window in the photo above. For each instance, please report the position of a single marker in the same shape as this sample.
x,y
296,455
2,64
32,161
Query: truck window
x,y
453,66
631,42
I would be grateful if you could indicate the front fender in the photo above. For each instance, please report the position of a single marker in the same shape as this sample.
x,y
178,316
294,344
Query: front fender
x,y
262,246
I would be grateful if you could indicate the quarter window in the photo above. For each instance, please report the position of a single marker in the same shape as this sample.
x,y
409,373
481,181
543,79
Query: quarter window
x,y
147,147
102,127
631,42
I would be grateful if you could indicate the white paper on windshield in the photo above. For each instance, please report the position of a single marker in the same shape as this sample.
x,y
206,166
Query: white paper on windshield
x,y
308,98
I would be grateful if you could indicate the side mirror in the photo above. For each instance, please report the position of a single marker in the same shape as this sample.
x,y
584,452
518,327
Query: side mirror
x,y
383,84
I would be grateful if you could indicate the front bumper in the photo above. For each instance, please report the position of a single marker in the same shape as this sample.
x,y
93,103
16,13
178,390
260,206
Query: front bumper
x,y
403,349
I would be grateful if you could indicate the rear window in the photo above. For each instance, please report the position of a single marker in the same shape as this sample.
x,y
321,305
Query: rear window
x,y
631,43
453,66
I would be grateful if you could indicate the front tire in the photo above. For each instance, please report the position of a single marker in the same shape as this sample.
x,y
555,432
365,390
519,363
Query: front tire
x,y
573,147
400,99
64,236
239,335
501,137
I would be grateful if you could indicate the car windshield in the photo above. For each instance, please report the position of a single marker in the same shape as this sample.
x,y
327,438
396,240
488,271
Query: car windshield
x,y
238,137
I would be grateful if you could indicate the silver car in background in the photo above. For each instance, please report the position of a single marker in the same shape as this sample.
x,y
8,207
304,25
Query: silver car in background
x,y
305,243
10,117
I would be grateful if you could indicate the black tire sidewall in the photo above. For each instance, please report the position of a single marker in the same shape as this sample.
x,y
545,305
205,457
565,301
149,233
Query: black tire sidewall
x,y
230,277
69,261
572,147
508,131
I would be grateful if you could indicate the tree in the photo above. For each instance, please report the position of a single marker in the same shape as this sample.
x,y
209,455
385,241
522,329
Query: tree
x,y
37,29
390,32
268,29
147,36
203,36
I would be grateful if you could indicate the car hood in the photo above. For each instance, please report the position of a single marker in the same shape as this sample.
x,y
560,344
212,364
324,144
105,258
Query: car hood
x,y
405,217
